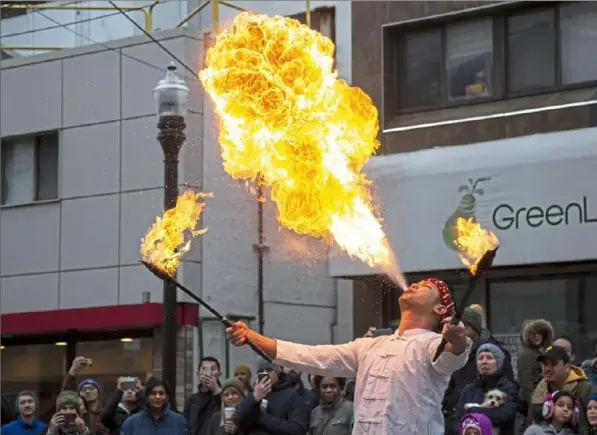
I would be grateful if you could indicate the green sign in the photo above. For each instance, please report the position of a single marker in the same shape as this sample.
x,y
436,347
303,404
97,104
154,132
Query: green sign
x,y
506,216
466,209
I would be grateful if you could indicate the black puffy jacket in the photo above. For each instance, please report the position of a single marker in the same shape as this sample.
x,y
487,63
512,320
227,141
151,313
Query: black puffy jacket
x,y
465,376
502,417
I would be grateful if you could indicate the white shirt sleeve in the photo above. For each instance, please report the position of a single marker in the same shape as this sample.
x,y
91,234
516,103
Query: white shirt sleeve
x,y
447,363
340,360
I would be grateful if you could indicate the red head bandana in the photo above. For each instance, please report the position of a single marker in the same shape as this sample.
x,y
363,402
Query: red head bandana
x,y
444,292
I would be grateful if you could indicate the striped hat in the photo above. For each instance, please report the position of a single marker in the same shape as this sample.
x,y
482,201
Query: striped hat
x,y
444,292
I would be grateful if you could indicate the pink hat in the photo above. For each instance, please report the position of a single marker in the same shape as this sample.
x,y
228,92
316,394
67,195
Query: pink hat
x,y
444,292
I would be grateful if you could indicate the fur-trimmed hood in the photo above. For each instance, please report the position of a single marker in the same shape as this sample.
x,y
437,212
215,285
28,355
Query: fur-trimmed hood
x,y
532,327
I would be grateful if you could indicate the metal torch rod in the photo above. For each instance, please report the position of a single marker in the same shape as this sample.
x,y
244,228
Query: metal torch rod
x,y
227,323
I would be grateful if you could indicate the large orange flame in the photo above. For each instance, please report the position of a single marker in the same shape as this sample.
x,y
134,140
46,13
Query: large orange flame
x,y
473,242
287,118
170,236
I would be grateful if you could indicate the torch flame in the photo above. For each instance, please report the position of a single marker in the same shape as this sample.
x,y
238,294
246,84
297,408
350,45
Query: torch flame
x,y
169,238
473,242
286,119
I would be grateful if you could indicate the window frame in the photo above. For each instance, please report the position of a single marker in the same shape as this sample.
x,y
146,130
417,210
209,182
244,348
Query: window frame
x,y
37,140
499,16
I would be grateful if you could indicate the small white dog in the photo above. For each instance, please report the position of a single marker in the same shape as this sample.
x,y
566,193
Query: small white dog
x,y
493,399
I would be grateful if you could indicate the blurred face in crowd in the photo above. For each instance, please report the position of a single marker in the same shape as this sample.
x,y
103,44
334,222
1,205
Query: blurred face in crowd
x,y
243,376
273,376
592,413
69,409
472,431
562,342
555,372
486,363
157,398
89,393
26,405
231,396
129,396
330,390
537,339
563,409
293,376
423,298
206,366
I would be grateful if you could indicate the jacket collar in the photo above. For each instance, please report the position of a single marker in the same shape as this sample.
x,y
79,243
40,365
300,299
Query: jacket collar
x,y
23,423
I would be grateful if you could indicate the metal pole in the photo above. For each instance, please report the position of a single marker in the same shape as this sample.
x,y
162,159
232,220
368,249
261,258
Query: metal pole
x,y
171,137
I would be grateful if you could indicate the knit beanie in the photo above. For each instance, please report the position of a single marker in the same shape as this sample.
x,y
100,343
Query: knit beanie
x,y
262,364
88,381
473,318
495,351
243,368
67,397
233,383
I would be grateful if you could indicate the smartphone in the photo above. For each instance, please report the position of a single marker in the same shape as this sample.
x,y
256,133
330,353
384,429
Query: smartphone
x,y
262,375
207,370
69,419
129,383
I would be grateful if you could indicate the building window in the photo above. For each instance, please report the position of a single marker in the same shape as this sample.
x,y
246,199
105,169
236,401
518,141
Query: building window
x,y
577,39
531,51
512,52
30,169
469,60
39,368
114,358
563,301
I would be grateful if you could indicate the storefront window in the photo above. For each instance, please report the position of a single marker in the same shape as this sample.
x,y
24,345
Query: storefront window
x,y
114,358
565,302
39,368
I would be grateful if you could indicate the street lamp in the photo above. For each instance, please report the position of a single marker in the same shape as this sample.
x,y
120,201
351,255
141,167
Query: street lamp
x,y
171,98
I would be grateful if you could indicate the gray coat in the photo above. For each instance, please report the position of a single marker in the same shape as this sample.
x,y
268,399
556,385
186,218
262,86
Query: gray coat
x,y
547,429
339,423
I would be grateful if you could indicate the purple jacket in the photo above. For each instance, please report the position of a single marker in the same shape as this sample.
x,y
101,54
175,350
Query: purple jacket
x,y
482,419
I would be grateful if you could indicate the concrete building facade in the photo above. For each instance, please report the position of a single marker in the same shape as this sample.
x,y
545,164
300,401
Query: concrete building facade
x,y
69,265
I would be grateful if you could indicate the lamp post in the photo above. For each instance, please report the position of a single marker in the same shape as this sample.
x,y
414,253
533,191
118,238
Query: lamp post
x,y
171,97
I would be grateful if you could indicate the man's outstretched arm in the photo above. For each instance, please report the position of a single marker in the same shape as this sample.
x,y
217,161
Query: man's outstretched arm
x,y
326,360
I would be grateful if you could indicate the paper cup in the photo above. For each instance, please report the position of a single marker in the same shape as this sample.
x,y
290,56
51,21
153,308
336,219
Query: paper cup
x,y
263,404
229,413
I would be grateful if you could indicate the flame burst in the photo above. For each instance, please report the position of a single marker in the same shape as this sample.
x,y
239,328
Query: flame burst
x,y
473,242
287,119
170,236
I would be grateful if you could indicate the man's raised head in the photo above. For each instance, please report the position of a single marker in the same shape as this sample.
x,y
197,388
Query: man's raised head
x,y
429,297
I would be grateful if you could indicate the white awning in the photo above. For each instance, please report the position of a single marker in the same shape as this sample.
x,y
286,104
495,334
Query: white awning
x,y
537,193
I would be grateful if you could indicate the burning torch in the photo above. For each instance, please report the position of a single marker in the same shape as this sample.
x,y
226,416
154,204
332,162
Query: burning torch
x,y
168,239
477,249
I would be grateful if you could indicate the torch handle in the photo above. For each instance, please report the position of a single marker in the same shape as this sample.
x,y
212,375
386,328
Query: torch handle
x,y
227,323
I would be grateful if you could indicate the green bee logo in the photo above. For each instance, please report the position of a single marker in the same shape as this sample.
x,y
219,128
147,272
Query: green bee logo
x,y
466,210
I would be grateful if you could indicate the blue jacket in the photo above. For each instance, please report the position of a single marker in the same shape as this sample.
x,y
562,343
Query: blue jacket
x,y
143,423
502,417
286,413
19,427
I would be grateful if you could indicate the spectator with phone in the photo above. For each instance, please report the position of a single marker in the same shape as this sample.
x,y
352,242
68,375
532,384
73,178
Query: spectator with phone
x,y
157,418
27,422
67,420
90,390
223,422
125,401
201,406
274,407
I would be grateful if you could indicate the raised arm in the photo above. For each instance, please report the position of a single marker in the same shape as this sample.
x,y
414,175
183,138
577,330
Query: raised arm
x,y
326,360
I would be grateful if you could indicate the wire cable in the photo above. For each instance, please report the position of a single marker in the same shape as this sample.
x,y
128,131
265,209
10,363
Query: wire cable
x,y
188,68
72,23
117,50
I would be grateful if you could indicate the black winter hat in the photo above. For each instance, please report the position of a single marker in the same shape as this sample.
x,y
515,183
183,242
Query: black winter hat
x,y
474,319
